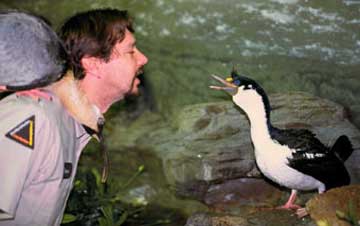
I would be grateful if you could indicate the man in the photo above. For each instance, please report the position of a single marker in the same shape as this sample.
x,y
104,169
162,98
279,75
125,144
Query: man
x,y
41,140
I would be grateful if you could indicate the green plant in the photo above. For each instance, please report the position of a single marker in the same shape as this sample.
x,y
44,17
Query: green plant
x,y
108,217
94,203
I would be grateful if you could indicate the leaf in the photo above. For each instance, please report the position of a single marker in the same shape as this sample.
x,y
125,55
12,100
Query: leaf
x,y
108,212
68,218
99,184
137,173
122,219
141,168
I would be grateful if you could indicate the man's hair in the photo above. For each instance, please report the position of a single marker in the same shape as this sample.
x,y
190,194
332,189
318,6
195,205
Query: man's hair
x,y
93,34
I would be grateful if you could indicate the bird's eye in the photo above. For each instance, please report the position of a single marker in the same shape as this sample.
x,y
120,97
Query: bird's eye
x,y
237,82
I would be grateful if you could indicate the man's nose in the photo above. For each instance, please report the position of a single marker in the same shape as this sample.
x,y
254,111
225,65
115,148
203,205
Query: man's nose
x,y
142,59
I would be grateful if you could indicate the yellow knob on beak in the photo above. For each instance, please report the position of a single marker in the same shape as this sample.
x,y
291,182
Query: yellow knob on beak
x,y
229,79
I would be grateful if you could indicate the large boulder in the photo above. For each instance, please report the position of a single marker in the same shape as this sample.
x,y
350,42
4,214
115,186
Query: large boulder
x,y
207,144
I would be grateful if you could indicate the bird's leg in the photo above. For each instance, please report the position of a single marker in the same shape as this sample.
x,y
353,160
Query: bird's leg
x,y
36,94
290,203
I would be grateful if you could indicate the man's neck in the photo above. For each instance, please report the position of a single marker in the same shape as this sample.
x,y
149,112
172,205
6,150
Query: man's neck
x,y
76,102
101,99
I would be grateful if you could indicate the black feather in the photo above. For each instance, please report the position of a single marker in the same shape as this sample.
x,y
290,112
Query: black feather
x,y
313,158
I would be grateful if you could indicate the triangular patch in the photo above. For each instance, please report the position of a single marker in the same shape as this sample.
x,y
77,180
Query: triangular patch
x,y
24,133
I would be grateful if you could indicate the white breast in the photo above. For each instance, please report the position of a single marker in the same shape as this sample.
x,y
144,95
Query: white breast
x,y
272,160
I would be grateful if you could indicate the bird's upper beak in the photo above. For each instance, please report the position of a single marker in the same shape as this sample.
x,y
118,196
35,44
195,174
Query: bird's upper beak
x,y
229,87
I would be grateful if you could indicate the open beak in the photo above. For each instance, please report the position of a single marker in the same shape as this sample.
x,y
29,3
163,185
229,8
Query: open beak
x,y
229,87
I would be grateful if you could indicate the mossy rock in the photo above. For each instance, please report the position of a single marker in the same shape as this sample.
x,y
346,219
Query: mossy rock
x,y
336,207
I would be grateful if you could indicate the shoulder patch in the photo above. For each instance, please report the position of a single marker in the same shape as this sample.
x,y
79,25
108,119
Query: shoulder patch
x,y
24,133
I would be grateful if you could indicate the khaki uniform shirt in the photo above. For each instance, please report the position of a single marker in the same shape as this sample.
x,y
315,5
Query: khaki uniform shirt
x,y
40,145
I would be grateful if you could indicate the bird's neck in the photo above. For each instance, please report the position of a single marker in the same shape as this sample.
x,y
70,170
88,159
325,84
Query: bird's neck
x,y
259,124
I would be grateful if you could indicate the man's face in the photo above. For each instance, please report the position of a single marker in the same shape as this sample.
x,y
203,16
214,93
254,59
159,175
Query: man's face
x,y
125,63
118,76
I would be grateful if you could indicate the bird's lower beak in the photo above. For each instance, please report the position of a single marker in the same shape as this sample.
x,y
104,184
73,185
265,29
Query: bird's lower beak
x,y
229,87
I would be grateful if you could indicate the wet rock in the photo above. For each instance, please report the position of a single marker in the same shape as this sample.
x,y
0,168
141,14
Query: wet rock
x,y
200,219
211,141
205,154
243,191
208,144
277,217
203,219
193,190
337,207
257,218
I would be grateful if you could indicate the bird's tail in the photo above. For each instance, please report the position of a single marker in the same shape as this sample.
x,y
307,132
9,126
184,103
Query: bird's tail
x,y
342,148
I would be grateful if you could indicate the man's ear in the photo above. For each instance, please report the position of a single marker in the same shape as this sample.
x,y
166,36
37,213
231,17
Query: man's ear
x,y
90,64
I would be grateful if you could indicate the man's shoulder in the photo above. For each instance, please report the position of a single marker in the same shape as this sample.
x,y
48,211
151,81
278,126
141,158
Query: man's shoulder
x,y
14,108
17,106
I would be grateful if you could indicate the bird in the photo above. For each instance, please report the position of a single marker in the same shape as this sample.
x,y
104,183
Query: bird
x,y
293,158
31,53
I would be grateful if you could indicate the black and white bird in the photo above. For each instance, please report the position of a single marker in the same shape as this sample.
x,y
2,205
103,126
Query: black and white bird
x,y
293,158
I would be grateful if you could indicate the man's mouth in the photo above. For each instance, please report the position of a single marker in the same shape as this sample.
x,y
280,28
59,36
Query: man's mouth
x,y
228,86
140,71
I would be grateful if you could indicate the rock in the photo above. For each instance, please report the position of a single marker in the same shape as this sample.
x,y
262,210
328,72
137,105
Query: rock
x,y
232,193
211,141
257,218
276,218
344,200
202,219
243,191
205,154
208,144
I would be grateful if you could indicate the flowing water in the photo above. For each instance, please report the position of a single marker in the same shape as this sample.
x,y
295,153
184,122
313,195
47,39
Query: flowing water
x,y
300,45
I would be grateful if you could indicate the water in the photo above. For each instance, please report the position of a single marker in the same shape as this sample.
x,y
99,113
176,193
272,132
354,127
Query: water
x,y
323,30
287,45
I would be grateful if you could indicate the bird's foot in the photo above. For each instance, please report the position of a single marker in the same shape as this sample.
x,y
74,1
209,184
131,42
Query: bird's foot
x,y
289,206
35,94
301,212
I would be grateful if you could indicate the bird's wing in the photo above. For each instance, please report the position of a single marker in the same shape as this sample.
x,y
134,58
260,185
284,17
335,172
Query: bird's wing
x,y
298,139
326,167
312,158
